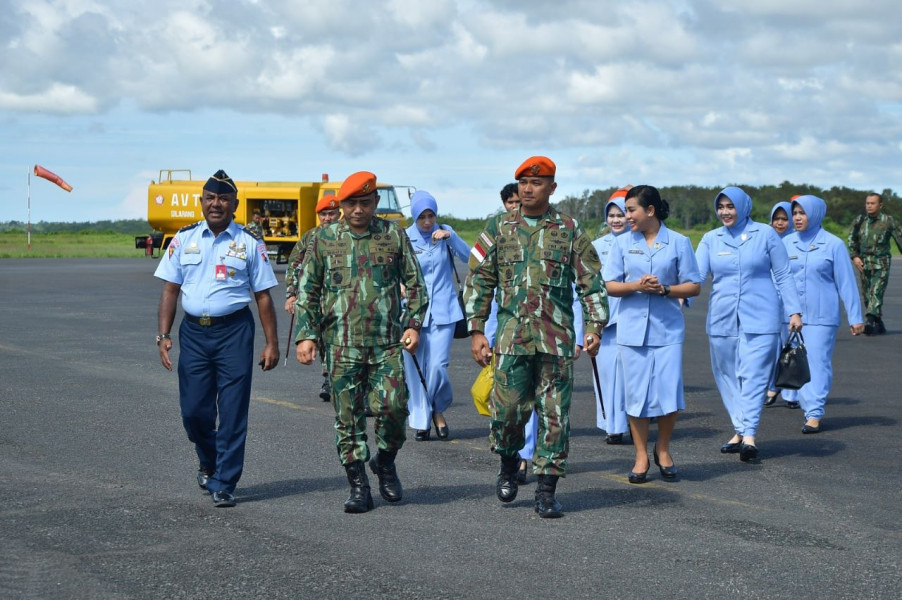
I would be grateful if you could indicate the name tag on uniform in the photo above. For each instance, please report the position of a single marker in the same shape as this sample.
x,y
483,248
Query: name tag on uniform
x,y
725,253
636,252
794,257
220,274
192,249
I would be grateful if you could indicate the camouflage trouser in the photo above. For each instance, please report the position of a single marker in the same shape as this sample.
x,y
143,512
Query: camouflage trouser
x,y
381,371
543,382
873,283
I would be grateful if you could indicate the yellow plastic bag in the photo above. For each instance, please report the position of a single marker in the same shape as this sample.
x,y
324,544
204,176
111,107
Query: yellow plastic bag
x,y
482,389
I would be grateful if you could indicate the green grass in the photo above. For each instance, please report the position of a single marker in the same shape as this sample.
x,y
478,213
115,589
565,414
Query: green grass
x,y
69,245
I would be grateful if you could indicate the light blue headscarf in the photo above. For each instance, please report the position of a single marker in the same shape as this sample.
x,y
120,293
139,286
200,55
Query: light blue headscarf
x,y
815,209
743,204
787,207
619,203
420,201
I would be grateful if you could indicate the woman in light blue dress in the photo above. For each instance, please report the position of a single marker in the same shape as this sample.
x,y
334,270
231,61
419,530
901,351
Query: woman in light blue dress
x,y
613,418
650,269
823,273
744,260
433,245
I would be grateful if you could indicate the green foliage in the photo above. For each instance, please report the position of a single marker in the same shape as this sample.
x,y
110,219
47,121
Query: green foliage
x,y
126,226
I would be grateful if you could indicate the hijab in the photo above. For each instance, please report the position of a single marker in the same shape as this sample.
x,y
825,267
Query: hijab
x,y
619,203
815,209
743,204
420,201
787,207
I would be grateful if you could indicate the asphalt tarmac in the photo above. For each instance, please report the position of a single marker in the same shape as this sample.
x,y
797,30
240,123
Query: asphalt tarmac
x,y
98,498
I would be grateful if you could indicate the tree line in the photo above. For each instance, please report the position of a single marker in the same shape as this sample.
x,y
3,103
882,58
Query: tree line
x,y
127,226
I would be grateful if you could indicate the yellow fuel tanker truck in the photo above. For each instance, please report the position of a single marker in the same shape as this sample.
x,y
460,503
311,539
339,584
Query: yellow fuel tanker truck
x,y
286,208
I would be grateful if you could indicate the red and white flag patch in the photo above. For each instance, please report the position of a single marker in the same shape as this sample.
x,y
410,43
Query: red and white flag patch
x,y
482,246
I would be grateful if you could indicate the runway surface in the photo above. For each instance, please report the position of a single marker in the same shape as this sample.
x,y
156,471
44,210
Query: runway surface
x,y
99,499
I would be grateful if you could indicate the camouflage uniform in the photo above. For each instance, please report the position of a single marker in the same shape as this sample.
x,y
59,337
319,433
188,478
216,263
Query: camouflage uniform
x,y
292,275
254,228
349,292
533,269
869,240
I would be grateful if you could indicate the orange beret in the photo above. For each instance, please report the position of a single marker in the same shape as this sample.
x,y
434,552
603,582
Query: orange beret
x,y
327,202
360,183
537,166
794,197
621,193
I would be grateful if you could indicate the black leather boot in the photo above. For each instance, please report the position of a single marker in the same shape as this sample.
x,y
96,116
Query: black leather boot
x,y
506,486
360,499
547,505
870,325
879,327
383,466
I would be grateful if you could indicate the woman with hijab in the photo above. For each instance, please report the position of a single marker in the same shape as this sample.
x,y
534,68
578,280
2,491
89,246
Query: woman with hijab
x,y
434,246
781,222
610,377
747,264
823,274
649,269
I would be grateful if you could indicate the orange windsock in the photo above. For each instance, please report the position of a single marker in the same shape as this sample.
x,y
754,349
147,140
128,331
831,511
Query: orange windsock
x,y
50,176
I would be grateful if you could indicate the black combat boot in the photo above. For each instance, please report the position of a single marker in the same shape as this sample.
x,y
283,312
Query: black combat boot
x,y
547,505
360,499
879,327
870,325
383,467
506,486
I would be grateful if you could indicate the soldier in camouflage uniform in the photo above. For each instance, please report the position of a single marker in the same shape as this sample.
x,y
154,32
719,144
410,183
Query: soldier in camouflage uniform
x,y
350,293
533,258
869,246
328,212
254,226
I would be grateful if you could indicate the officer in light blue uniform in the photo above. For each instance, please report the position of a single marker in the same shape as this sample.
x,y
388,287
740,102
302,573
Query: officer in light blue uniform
x,y
217,265
744,259
650,269
610,373
433,245
823,274
781,222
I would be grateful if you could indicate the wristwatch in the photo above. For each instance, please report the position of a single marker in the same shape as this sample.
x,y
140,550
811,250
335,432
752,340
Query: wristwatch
x,y
163,336
665,291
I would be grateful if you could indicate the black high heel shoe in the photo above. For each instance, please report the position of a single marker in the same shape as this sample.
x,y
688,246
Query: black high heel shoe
x,y
638,477
422,435
666,472
731,447
748,453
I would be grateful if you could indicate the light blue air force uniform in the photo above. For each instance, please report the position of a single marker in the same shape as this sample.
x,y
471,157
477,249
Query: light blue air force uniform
x,y
532,426
650,327
610,371
823,274
744,321
217,275
784,331
437,332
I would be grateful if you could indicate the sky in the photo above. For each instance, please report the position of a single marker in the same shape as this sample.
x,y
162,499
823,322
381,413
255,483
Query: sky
x,y
443,95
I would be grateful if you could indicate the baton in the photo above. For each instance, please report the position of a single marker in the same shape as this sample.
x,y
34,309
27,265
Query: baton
x,y
598,386
416,363
288,343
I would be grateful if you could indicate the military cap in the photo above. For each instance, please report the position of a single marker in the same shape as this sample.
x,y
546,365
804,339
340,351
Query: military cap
x,y
360,183
536,166
327,202
220,183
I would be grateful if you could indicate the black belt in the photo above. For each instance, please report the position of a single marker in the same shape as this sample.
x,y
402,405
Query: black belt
x,y
208,321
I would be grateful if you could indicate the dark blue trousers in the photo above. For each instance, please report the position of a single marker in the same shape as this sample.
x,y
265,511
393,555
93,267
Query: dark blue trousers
x,y
215,368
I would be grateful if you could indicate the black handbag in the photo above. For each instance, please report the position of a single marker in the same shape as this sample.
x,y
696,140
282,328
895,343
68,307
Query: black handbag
x,y
792,366
460,328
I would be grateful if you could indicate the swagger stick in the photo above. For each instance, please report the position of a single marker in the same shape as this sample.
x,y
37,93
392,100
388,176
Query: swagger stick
x,y
598,386
288,343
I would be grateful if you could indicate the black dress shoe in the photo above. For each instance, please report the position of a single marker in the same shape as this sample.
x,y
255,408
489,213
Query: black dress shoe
x,y
792,404
666,472
811,429
443,431
383,466
731,447
203,476
422,435
770,400
614,439
521,472
223,499
506,484
638,477
748,453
